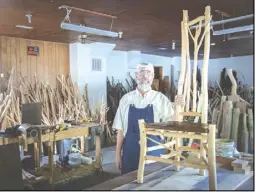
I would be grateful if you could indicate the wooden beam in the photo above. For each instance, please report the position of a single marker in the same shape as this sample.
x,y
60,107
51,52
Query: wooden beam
x,y
196,20
172,134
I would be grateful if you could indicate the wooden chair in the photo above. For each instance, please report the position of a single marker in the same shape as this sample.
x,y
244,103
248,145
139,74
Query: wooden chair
x,y
178,130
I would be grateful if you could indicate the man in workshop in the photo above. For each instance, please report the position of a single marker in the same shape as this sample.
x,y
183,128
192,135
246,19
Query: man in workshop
x,y
142,103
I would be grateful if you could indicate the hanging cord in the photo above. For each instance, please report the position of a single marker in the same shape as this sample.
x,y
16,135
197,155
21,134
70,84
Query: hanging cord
x,y
67,17
111,25
222,17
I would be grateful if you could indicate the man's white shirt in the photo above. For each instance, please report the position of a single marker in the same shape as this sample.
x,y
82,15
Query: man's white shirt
x,y
162,107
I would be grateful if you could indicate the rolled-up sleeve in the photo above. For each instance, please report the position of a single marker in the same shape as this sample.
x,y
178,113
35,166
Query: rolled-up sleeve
x,y
167,109
118,120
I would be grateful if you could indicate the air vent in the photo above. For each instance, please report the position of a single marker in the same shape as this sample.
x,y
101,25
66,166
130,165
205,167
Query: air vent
x,y
96,64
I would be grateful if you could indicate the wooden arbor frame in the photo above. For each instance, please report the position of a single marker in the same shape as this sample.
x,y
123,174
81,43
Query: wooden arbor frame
x,y
179,130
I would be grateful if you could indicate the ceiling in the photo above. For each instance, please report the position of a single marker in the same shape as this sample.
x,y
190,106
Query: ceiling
x,y
147,25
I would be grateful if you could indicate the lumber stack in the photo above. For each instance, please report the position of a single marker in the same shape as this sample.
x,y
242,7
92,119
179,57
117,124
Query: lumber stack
x,y
241,166
234,118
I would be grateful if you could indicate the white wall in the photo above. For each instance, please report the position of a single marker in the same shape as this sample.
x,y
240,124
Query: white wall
x,y
118,64
243,65
81,69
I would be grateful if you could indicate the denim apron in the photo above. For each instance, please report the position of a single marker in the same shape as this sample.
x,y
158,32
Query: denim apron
x,y
131,146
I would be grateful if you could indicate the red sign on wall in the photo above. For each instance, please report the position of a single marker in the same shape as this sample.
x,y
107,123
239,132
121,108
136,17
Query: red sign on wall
x,y
32,50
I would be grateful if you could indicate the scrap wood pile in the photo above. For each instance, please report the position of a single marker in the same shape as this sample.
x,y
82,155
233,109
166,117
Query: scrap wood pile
x,y
231,109
58,104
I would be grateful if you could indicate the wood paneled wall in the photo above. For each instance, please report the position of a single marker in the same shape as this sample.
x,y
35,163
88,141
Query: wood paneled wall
x,y
53,58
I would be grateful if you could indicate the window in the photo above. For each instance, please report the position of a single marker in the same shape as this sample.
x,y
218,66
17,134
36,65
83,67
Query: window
x,y
96,64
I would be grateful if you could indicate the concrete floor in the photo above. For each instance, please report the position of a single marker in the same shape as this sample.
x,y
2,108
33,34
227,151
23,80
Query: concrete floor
x,y
109,172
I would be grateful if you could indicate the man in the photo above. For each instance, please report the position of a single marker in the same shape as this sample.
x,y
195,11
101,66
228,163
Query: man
x,y
142,103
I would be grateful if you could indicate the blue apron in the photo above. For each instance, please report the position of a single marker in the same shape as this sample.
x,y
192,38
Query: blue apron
x,y
131,146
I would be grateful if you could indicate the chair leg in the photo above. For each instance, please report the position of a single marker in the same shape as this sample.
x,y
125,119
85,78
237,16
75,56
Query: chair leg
x,y
212,158
143,149
202,154
177,158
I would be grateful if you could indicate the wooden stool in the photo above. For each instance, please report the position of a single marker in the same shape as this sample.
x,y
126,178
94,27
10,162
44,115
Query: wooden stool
x,y
180,130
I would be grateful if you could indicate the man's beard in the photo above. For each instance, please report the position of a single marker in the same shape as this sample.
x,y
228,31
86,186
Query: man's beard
x,y
144,87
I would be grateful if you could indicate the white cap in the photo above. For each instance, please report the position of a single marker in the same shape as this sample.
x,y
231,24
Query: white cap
x,y
145,66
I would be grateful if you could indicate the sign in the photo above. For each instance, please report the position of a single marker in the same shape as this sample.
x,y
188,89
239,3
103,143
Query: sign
x,y
31,50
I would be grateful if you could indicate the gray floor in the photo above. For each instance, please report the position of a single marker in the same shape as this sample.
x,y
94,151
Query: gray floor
x,y
109,172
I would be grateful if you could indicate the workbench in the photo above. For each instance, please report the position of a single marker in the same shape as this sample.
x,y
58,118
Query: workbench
x,y
159,176
53,173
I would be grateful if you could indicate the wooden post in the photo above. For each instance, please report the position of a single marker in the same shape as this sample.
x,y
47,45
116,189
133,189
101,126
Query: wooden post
x,y
51,158
187,82
98,152
177,149
202,154
227,119
214,116
245,135
219,121
235,126
183,69
204,84
196,49
233,81
143,149
37,149
83,141
250,124
212,158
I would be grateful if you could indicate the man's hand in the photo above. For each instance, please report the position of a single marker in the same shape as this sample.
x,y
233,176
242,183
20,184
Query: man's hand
x,y
180,100
118,161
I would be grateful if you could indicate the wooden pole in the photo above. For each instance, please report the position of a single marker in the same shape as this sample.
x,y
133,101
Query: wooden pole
x,y
185,14
214,116
227,119
202,154
177,157
250,124
245,135
183,69
219,120
98,152
233,81
204,84
143,149
235,126
212,158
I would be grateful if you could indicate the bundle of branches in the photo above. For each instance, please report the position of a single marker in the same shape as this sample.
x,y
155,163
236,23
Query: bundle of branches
x,y
115,92
76,108
35,91
9,103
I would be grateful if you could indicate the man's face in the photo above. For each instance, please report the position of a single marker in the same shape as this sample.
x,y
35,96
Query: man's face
x,y
144,77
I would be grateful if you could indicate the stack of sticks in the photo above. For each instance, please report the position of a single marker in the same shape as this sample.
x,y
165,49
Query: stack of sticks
x,y
60,103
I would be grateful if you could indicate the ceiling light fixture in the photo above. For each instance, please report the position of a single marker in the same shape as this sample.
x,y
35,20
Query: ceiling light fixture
x,y
213,44
85,29
24,27
233,30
